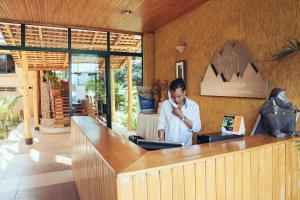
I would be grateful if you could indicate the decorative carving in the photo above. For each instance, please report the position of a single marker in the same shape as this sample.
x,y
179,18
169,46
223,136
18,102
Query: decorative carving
x,y
233,74
164,90
156,92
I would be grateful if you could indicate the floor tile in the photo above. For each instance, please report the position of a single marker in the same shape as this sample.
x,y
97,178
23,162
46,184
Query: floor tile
x,y
38,171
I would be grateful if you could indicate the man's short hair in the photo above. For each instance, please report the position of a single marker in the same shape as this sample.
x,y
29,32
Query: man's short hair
x,y
176,84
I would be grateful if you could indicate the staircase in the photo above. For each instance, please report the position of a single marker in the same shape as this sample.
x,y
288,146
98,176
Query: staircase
x,y
91,110
78,109
61,109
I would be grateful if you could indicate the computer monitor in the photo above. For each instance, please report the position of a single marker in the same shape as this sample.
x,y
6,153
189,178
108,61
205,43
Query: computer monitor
x,y
157,145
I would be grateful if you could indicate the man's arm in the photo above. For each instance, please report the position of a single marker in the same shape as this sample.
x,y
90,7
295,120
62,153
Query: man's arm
x,y
161,124
184,119
161,135
193,124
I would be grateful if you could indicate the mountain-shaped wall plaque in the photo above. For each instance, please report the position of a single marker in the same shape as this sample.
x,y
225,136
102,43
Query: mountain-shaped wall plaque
x,y
233,74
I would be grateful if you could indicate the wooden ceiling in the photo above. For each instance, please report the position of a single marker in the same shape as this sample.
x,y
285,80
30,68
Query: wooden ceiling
x,y
147,15
39,36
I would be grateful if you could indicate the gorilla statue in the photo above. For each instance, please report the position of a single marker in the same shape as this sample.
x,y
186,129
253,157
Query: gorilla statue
x,y
279,115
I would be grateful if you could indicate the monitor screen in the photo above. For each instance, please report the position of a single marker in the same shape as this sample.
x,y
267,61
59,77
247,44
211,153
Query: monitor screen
x,y
157,145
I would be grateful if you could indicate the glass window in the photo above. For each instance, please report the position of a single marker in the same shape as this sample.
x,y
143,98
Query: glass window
x,y
88,86
119,92
123,42
7,64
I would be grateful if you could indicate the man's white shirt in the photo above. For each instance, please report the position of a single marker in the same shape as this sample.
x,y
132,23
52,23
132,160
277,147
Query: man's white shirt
x,y
175,129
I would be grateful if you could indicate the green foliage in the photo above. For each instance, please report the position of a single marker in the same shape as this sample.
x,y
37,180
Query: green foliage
x,y
121,93
7,118
93,86
50,77
292,47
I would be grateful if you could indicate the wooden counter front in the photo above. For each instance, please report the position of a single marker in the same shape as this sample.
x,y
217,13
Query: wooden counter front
x,y
108,166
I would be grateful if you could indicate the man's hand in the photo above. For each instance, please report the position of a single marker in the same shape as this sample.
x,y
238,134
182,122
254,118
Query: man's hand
x,y
178,112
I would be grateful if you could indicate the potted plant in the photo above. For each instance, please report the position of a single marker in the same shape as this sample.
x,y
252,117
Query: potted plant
x,y
292,47
55,86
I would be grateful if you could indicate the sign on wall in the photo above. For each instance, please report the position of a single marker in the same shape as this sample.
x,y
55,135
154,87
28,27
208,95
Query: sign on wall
x,y
233,74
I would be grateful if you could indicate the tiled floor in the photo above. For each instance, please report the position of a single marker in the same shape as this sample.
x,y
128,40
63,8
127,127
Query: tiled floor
x,y
38,171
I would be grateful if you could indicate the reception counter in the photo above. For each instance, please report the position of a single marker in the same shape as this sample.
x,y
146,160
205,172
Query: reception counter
x,y
108,166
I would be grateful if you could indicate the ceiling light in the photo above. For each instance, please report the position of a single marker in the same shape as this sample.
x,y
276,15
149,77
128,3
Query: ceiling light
x,y
127,12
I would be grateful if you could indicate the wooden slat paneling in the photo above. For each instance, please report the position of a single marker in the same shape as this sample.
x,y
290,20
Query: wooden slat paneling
x,y
238,178
153,185
275,173
247,175
147,15
254,175
294,172
250,174
125,191
268,171
178,183
50,37
281,170
288,171
261,173
229,172
211,179
166,181
94,178
189,177
220,178
140,187
200,179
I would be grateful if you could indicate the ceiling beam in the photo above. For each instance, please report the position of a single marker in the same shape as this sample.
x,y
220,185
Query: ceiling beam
x,y
66,60
93,40
12,40
70,26
42,45
123,63
138,44
101,66
118,38
47,68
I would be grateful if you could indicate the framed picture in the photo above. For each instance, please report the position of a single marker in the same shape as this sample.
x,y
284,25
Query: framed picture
x,y
180,69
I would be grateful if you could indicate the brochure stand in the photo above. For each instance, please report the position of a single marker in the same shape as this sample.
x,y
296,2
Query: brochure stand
x,y
233,125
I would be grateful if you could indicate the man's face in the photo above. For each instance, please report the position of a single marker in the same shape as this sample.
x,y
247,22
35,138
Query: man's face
x,y
178,96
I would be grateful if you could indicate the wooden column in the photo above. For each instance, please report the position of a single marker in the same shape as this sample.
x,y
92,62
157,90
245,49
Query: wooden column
x,y
26,104
112,94
148,59
35,100
40,80
129,81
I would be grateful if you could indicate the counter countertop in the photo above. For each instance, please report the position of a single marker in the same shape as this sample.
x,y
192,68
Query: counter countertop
x,y
124,156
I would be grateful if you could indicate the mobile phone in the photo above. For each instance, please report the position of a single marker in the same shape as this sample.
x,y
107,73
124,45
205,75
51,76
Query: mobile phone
x,y
172,101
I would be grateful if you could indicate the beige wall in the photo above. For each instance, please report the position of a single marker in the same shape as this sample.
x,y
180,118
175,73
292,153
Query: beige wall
x,y
15,80
262,26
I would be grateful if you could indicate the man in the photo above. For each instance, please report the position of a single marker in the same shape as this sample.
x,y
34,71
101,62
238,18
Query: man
x,y
179,116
